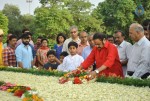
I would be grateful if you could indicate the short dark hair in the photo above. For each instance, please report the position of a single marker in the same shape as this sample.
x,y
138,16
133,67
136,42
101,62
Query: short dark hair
x,y
25,35
146,24
24,30
60,34
51,52
100,36
64,53
39,37
122,33
29,33
12,37
72,43
44,39
110,36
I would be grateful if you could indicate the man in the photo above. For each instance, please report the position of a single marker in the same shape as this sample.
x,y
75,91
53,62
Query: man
x,y
87,50
1,46
83,43
24,53
138,63
74,37
9,57
6,44
124,48
38,43
106,56
146,26
110,38
25,31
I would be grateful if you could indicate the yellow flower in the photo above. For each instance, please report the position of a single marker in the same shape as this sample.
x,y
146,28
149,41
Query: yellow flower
x,y
9,90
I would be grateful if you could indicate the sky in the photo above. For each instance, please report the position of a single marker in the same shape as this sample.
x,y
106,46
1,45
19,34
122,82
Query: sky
x,y
24,6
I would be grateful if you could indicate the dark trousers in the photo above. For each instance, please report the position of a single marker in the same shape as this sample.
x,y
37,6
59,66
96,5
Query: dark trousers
x,y
142,77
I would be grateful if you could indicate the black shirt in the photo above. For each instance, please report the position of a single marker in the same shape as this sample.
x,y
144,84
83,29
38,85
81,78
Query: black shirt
x,y
48,65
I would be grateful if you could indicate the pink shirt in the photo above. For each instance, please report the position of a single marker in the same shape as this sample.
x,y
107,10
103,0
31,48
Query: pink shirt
x,y
81,47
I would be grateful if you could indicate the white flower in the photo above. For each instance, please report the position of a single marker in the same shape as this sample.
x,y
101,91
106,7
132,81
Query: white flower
x,y
33,92
50,90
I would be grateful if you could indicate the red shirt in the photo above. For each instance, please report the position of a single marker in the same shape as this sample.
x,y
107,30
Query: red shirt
x,y
108,56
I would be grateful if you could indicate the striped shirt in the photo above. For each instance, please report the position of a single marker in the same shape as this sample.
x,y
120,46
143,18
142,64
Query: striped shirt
x,y
9,57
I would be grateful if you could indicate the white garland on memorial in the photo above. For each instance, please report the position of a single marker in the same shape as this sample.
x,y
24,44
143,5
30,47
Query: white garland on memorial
x,y
50,90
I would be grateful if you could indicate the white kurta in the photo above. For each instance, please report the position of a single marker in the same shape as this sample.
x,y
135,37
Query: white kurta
x,y
71,63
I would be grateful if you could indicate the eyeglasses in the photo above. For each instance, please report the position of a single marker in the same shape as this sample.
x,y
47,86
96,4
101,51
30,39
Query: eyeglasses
x,y
1,35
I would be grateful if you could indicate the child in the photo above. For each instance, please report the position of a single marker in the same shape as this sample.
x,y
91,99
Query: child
x,y
62,56
51,64
72,61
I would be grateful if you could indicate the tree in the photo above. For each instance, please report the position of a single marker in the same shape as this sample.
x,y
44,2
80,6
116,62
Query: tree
x,y
50,21
116,14
3,22
13,14
28,21
146,6
61,13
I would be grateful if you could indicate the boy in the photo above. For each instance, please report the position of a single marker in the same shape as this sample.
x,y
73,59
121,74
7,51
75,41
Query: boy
x,y
62,56
51,64
72,61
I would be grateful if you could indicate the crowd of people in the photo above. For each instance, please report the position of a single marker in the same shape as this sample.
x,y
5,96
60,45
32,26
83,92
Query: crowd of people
x,y
98,53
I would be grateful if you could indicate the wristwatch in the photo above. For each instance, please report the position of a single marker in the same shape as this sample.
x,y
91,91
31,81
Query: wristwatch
x,y
97,71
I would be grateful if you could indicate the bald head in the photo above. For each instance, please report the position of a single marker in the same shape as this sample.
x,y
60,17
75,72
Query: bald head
x,y
136,32
137,27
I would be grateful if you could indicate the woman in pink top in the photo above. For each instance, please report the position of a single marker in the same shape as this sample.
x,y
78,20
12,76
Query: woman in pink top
x,y
42,53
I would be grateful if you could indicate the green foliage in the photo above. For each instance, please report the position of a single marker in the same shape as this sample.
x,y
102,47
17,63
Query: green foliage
x,y
3,22
116,14
125,81
34,71
146,6
28,21
50,21
13,14
58,15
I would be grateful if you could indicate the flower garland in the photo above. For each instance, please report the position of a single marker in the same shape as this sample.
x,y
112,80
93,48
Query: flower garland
x,y
75,77
50,90
23,92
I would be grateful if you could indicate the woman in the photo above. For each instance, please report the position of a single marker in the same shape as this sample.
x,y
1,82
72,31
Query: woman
x,y
42,53
58,47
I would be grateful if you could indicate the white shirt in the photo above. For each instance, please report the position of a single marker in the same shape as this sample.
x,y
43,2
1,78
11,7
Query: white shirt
x,y
60,67
71,63
124,50
86,52
65,45
139,58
